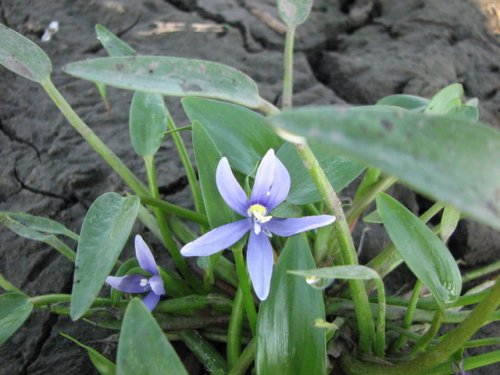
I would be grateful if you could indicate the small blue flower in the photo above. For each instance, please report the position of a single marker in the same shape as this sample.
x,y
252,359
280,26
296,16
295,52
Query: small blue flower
x,y
272,183
141,283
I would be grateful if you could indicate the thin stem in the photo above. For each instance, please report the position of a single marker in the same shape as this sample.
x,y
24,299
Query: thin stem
x,y
188,167
288,68
359,296
169,241
245,360
173,209
480,272
450,343
363,202
8,286
245,286
380,327
433,330
408,320
234,329
468,363
114,162
204,351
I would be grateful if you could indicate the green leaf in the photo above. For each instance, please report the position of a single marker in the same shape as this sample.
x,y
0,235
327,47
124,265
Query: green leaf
x,y
241,135
207,158
452,160
103,365
22,56
422,250
340,170
373,217
113,45
409,102
288,342
15,308
39,224
105,231
171,76
449,222
147,122
143,348
211,359
349,272
446,100
294,12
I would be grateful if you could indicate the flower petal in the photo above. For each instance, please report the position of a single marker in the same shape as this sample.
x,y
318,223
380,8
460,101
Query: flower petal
x,y
156,284
230,189
144,256
260,263
280,187
289,227
264,179
217,239
128,284
151,300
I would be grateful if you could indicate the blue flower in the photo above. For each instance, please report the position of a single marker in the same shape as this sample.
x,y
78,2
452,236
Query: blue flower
x,y
272,183
141,283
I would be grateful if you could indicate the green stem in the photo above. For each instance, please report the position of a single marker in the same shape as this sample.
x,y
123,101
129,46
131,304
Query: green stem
x,y
433,330
468,363
188,167
114,162
450,343
380,327
363,202
204,351
245,286
173,209
483,271
60,246
8,286
245,360
408,320
288,68
359,296
234,329
169,241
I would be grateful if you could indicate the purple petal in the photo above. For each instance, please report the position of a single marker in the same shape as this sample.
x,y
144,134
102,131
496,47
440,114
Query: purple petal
x,y
280,187
144,256
217,239
230,189
260,263
128,284
264,179
151,300
156,284
289,227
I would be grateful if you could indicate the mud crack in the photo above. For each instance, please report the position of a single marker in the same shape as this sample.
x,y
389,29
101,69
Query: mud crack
x,y
14,138
175,187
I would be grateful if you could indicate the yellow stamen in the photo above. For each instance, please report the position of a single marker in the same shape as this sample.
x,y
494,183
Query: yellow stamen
x,y
258,212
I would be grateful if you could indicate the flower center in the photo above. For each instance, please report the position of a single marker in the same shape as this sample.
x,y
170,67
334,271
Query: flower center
x,y
144,282
257,213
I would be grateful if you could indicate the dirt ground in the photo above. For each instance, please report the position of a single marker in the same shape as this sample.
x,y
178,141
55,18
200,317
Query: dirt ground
x,y
348,51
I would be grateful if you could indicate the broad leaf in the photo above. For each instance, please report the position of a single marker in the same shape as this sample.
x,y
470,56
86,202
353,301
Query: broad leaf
x,y
452,160
15,308
171,76
410,102
143,348
147,122
103,365
241,135
113,45
339,169
446,99
22,56
288,342
294,12
422,250
105,230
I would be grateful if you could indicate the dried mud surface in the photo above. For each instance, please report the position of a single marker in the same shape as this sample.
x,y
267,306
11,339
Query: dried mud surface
x,y
348,51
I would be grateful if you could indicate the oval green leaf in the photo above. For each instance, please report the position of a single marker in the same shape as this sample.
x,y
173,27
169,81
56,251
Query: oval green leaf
x,y
113,45
294,12
349,272
22,56
105,230
15,308
422,250
452,160
288,342
147,122
171,76
103,365
143,348
405,101
241,135
40,224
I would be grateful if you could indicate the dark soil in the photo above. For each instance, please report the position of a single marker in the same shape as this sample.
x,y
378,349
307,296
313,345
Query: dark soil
x,y
348,51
